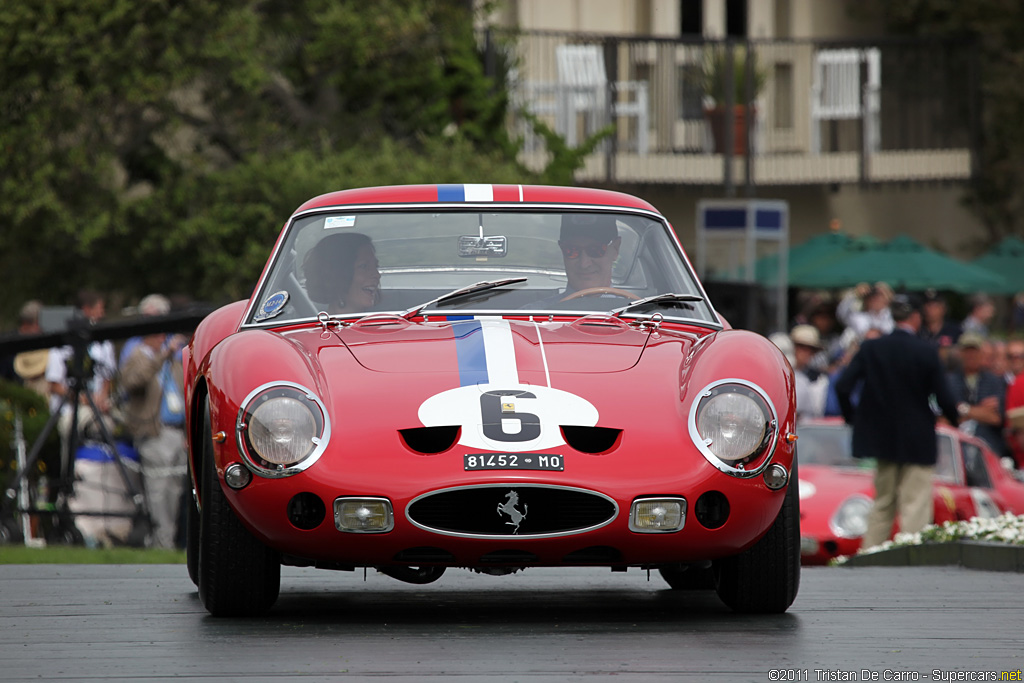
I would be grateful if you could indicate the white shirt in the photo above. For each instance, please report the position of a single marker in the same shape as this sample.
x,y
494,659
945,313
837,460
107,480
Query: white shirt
x,y
104,365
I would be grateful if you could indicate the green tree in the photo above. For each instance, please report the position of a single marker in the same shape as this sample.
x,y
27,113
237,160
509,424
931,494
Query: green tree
x,y
157,145
997,28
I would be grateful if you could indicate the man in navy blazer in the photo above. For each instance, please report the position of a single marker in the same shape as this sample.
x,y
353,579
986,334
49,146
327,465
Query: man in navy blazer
x,y
893,420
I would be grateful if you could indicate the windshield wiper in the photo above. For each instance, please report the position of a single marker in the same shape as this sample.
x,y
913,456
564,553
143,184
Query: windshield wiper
x,y
463,291
667,297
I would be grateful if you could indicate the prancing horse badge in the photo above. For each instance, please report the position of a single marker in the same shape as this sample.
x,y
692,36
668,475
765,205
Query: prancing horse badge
x,y
509,508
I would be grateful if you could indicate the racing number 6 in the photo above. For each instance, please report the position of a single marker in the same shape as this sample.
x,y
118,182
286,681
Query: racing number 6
x,y
492,414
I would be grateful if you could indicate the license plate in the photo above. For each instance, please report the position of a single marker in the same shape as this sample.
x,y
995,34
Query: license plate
x,y
513,461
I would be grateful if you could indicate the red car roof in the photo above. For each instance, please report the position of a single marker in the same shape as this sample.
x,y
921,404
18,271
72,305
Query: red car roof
x,y
422,194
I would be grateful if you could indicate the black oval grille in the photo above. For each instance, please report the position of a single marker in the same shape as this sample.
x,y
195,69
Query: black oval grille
x,y
522,510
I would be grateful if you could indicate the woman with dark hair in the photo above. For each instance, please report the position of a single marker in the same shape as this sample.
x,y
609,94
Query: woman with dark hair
x,y
341,272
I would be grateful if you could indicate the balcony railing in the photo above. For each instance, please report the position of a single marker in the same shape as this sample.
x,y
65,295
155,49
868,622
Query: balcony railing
x,y
820,113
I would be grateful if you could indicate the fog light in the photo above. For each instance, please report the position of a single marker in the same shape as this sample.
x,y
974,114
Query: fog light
x,y
654,515
775,477
363,515
237,477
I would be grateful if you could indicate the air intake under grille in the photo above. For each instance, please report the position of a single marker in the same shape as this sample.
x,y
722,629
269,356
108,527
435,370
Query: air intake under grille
x,y
523,510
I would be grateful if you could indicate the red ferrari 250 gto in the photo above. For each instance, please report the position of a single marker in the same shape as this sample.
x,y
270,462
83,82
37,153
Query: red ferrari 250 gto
x,y
489,377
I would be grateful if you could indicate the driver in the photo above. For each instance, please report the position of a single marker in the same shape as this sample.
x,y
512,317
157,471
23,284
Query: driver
x,y
590,244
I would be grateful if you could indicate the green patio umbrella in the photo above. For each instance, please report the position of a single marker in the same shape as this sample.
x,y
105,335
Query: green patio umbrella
x,y
816,252
1005,259
904,263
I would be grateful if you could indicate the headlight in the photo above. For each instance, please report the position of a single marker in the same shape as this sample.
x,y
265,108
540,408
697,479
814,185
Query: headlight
x,y
282,429
734,425
851,519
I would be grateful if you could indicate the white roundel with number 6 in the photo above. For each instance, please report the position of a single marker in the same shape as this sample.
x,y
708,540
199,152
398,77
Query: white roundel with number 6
x,y
508,418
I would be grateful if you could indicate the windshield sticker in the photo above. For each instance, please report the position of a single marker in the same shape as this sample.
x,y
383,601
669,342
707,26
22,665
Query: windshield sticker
x,y
272,306
339,222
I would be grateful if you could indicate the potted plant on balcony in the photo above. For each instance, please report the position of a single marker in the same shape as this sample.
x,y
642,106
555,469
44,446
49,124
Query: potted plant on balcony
x,y
716,80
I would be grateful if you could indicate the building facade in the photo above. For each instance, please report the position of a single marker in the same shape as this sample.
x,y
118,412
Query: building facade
x,y
847,125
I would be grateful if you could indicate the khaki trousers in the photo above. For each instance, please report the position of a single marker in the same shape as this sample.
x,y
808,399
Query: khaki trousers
x,y
164,469
902,488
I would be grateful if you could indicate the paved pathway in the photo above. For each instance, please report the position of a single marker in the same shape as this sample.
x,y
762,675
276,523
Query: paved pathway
x,y
145,623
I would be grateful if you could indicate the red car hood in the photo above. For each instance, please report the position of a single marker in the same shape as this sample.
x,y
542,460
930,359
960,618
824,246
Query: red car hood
x,y
509,385
824,488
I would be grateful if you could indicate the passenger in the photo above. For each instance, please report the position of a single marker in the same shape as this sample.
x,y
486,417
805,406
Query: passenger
x,y
341,272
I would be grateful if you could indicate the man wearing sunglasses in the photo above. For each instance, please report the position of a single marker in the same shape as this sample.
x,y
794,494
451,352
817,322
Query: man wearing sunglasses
x,y
590,244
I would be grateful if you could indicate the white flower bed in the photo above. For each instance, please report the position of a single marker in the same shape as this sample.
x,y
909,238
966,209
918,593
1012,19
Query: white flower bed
x,y
1006,528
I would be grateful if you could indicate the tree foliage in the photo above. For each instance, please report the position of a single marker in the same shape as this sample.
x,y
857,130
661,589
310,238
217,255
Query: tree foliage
x,y
157,145
997,28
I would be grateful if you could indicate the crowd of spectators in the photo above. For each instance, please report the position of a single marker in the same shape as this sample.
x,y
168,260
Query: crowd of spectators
x,y
121,413
985,371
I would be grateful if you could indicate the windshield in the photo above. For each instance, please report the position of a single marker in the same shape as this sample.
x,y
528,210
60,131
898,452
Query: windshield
x,y
361,262
832,444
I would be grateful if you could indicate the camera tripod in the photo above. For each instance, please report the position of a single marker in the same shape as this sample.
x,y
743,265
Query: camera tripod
x,y
65,531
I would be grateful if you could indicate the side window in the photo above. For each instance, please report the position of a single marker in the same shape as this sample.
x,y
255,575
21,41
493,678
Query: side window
x,y
944,467
974,466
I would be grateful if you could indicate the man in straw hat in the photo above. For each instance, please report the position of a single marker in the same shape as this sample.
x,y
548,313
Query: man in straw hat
x,y
30,366
811,383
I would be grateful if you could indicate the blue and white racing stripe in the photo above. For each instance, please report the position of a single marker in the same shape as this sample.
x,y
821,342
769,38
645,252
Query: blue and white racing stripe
x,y
485,350
465,193
531,414
479,193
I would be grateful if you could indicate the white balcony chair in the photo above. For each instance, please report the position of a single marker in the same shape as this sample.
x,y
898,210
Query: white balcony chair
x,y
838,94
583,89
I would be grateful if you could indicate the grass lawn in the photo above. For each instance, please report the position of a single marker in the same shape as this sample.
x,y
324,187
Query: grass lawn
x,y
66,554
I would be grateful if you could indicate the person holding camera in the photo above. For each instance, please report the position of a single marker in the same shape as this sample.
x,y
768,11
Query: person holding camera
x,y
152,380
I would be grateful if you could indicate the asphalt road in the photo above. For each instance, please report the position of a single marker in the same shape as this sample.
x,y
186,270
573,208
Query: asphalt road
x,y
145,623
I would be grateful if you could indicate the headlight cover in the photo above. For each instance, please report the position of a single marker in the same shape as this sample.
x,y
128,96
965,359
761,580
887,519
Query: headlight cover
x,y
850,519
282,429
734,425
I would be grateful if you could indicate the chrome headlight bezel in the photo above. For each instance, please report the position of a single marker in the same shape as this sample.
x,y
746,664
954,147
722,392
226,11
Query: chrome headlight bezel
x,y
318,435
759,455
856,507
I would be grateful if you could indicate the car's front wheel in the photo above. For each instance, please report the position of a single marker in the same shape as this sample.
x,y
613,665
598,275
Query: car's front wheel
x,y
238,575
765,577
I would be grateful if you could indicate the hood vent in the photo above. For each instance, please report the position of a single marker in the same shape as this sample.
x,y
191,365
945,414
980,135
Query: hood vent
x,y
591,440
430,440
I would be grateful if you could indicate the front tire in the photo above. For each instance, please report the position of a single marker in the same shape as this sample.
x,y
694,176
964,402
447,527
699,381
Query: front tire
x,y
238,575
764,579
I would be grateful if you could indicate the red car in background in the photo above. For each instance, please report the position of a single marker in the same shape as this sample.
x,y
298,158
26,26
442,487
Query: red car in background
x,y
416,385
836,490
